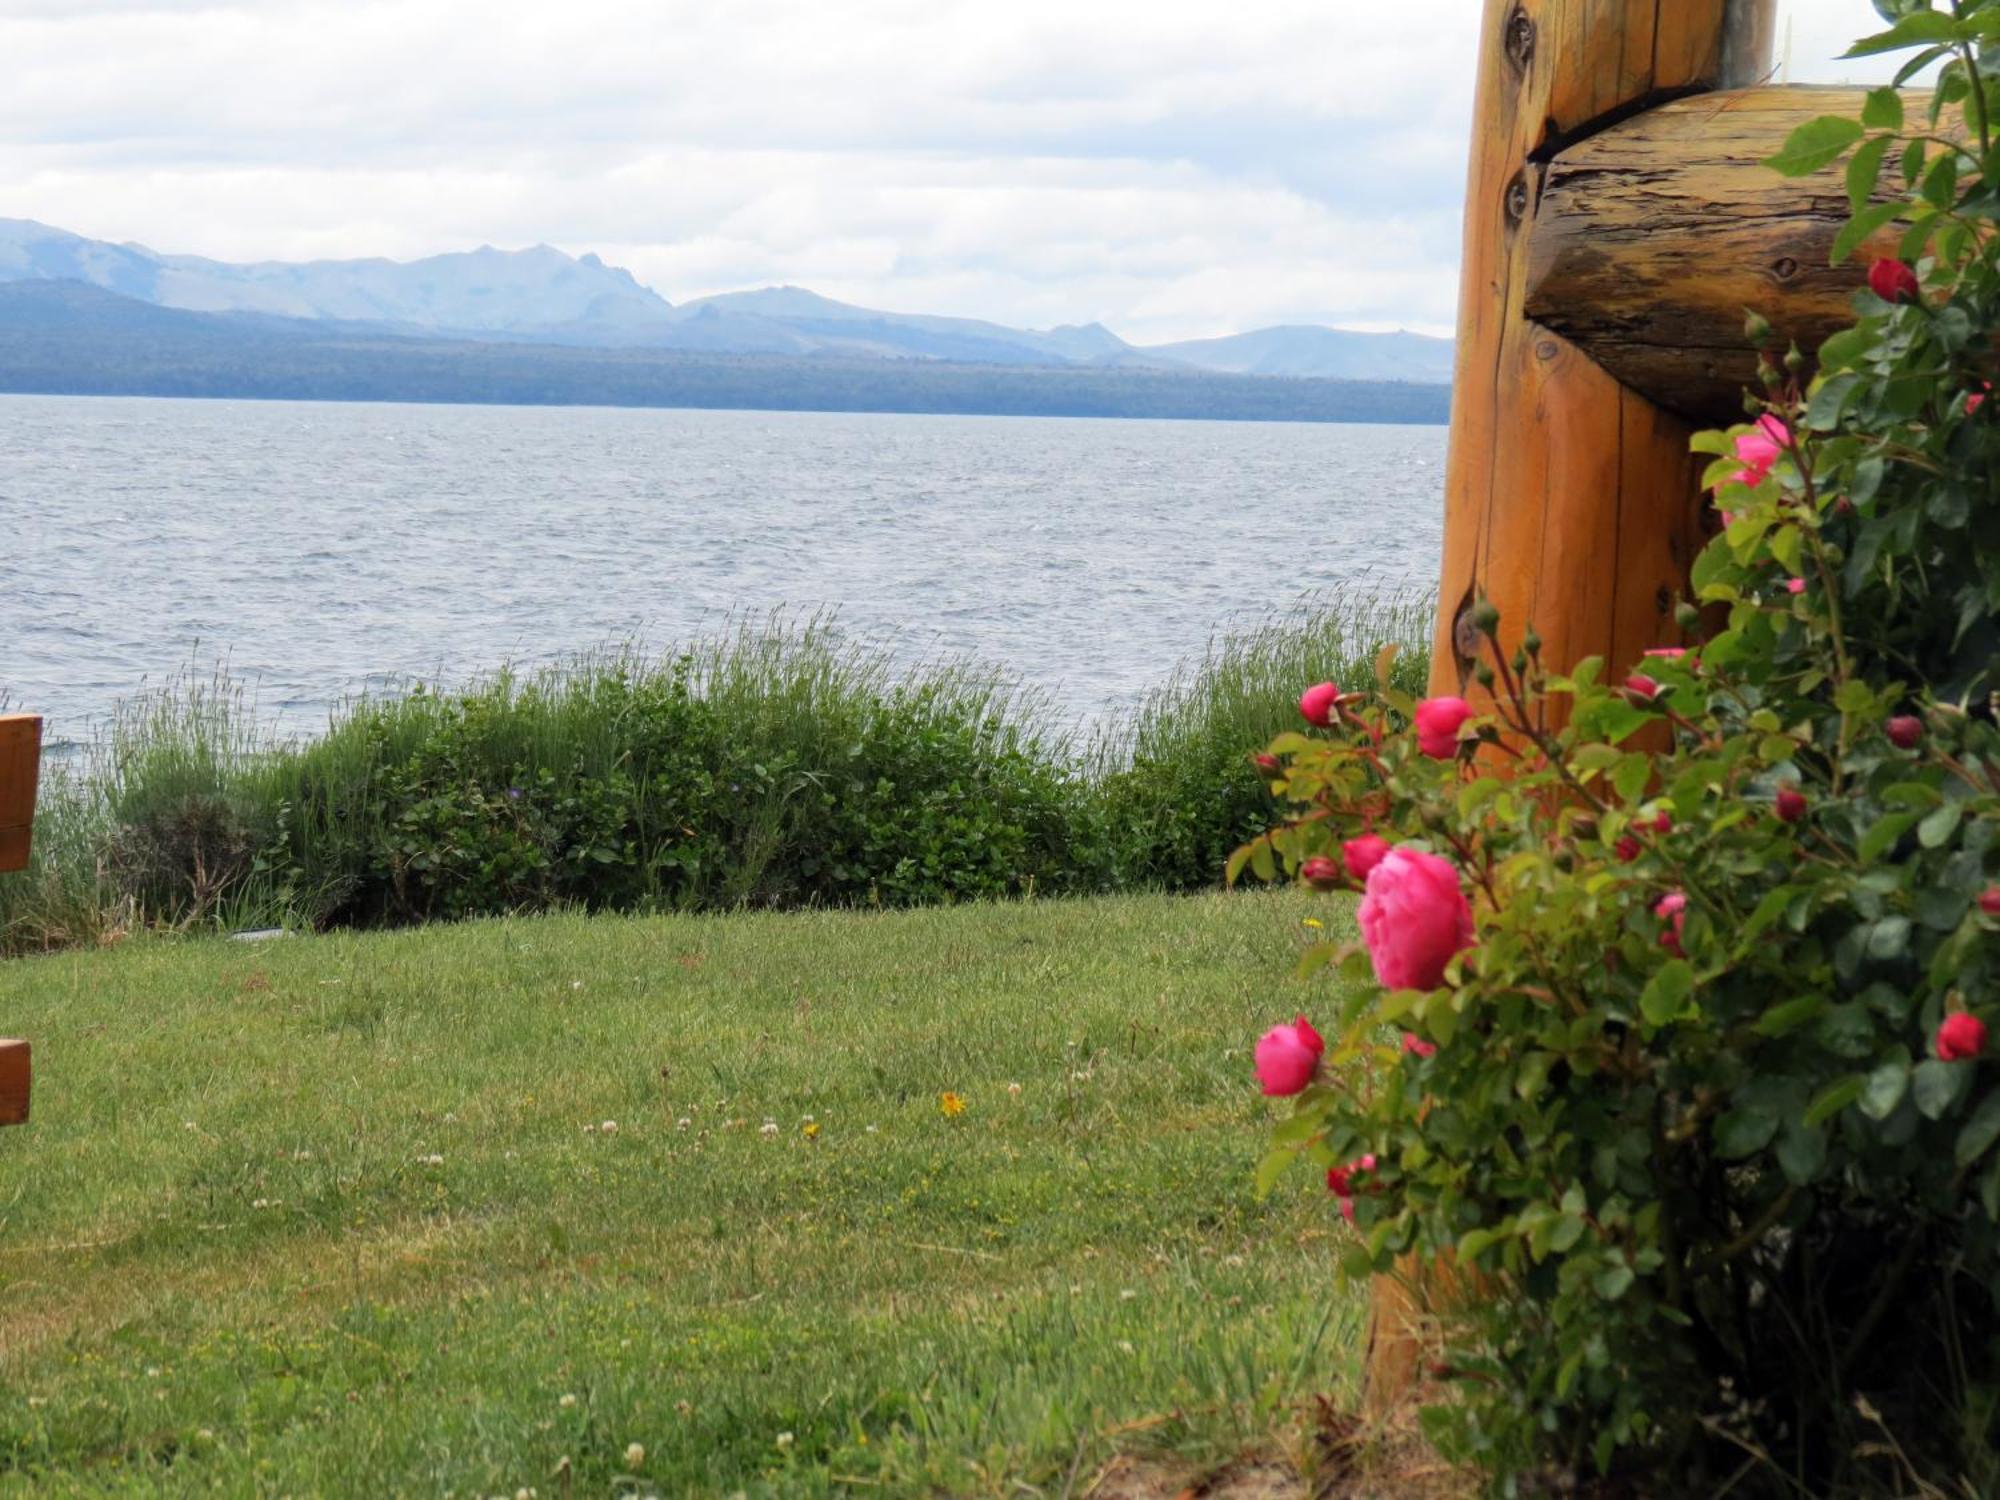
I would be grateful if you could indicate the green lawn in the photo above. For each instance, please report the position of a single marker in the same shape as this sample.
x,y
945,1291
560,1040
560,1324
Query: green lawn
x,y
340,1215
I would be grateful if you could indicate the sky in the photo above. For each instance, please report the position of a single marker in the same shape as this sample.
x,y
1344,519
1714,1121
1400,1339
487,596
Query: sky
x,y
1172,168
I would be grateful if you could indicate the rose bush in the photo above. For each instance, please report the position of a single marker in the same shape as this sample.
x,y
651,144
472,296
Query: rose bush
x,y
1684,1051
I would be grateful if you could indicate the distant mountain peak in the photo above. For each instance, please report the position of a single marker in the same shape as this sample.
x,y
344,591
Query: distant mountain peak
x,y
544,295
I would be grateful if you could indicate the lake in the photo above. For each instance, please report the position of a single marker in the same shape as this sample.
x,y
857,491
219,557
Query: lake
x,y
320,550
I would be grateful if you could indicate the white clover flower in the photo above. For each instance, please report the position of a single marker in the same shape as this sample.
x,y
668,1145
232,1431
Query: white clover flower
x,y
635,1455
784,1440
609,1127
568,1400
682,1123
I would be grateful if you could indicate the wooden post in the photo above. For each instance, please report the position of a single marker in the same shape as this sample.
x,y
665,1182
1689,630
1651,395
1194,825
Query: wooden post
x,y
1571,501
20,769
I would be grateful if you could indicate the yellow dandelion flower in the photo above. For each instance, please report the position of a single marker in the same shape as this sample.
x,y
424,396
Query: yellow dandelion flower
x,y
950,1104
810,1130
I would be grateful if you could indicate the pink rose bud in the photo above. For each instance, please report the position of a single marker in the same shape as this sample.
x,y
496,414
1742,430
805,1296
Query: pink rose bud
x,y
1672,910
1416,1046
1789,804
1667,653
1978,398
1362,855
1989,901
1414,919
1893,281
1268,766
1438,723
1961,1037
1905,731
1287,1058
1627,849
1758,450
1663,824
1321,704
1641,689
1321,873
1795,585
1347,1209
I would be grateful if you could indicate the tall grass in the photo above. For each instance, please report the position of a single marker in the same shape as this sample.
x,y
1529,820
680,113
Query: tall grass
x,y
1175,778
774,764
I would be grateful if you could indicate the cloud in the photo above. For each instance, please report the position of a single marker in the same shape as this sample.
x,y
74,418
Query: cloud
x,y
1173,169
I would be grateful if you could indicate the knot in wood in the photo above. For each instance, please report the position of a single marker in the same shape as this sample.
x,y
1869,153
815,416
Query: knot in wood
x,y
1517,198
1784,268
1465,635
1520,39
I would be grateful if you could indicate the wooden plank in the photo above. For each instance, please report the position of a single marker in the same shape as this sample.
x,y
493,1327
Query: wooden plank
x,y
20,769
1652,237
15,1073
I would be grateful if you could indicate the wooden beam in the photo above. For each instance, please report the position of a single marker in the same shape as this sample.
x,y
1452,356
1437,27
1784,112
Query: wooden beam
x,y
20,768
14,1077
1651,238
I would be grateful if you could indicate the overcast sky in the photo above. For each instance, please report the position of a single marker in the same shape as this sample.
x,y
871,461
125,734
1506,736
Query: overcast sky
x,y
1174,168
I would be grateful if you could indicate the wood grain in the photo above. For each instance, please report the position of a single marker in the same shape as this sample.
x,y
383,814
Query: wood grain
x,y
15,1074
1652,237
20,768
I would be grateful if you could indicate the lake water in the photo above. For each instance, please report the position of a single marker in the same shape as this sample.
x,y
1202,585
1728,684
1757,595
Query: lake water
x,y
324,550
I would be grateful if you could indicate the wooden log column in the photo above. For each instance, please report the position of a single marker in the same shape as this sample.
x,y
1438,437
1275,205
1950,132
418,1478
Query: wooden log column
x,y
1571,501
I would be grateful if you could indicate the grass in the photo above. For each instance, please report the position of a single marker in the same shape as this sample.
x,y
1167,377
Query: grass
x,y
328,1215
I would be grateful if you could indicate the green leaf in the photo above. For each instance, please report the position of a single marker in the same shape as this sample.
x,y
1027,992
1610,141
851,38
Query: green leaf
x,y
1883,111
1745,1131
1938,1086
1918,29
1885,1088
1801,1152
1981,1131
1864,172
1936,830
1271,1168
1883,833
1815,144
1667,991
1863,226
1835,1097
1614,1283
1781,1020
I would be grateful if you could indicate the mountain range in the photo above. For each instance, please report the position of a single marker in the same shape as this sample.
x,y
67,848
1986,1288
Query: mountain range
x,y
544,296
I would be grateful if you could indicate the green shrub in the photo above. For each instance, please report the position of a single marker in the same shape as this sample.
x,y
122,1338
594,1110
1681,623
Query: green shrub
x,y
1703,1084
769,766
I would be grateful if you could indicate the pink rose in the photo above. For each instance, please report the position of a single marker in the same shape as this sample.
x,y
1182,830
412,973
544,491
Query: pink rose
x,y
1789,804
1672,909
1414,919
1627,849
1759,449
1989,901
1362,855
1663,824
1795,585
1321,873
1893,281
1961,1037
1320,704
1668,653
1416,1046
1905,731
1287,1058
1438,721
